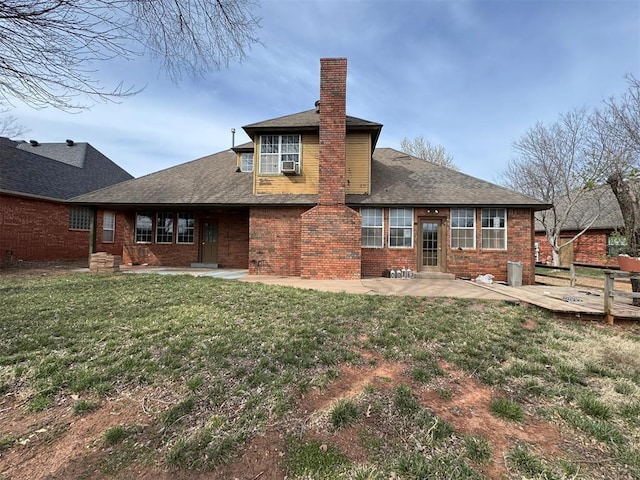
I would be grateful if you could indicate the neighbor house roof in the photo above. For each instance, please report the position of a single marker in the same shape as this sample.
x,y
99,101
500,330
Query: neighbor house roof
x,y
55,170
397,179
599,203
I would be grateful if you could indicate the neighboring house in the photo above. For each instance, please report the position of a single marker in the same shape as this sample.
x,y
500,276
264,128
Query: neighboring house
x,y
600,243
36,180
312,196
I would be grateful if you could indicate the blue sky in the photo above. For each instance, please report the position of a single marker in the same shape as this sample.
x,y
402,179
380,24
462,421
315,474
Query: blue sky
x,y
471,75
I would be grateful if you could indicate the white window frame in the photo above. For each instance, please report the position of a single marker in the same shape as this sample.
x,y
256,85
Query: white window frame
x,y
183,224
140,231
407,230
374,224
276,148
246,162
492,233
164,227
455,226
108,226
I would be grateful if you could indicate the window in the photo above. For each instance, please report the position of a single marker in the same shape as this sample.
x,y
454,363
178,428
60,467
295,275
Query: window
x,y
79,218
185,228
463,228
164,228
615,244
401,227
275,149
246,162
494,228
108,227
372,227
143,227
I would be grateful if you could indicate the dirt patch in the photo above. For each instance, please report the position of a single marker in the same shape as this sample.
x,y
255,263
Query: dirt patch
x,y
50,443
468,411
58,444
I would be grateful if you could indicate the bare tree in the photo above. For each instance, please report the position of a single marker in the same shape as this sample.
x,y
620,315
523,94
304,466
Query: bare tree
x,y
616,141
553,164
421,148
49,48
9,126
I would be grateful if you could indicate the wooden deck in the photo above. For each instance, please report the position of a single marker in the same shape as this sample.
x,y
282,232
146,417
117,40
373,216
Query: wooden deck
x,y
576,301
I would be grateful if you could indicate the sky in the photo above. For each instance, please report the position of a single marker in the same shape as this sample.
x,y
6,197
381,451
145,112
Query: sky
x,y
470,75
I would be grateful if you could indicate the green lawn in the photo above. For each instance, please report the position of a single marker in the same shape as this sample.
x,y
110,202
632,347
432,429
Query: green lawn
x,y
235,358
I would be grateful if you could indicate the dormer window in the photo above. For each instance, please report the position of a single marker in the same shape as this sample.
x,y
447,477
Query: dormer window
x,y
246,162
280,154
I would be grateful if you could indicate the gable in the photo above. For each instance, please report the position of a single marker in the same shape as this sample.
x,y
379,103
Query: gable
x,y
24,172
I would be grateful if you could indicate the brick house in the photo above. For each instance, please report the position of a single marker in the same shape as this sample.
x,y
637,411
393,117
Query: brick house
x,y
312,196
36,180
599,245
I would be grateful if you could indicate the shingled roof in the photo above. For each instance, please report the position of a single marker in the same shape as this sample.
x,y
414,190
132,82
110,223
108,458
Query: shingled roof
x,y
599,203
309,120
397,179
55,170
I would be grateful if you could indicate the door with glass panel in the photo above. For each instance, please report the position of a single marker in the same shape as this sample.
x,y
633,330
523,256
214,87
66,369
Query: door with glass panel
x,y
431,243
209,243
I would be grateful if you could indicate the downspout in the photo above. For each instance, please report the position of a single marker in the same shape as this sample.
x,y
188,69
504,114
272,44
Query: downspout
x,y
92,231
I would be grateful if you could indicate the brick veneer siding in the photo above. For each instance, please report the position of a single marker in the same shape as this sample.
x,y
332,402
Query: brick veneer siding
x,y
520,234
38,230
233,250
115,247
331,243
274,241
590,247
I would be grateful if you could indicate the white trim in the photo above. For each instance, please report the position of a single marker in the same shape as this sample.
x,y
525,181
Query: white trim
x,y
408,230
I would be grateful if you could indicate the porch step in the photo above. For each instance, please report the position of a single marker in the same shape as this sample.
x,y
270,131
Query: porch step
x,y
205,265
435,276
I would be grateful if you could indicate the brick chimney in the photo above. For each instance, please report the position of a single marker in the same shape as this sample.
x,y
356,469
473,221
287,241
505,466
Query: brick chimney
x,y
333,131
331,231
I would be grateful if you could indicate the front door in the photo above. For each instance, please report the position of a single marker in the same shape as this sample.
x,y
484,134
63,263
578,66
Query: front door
x,y
209,242
431,252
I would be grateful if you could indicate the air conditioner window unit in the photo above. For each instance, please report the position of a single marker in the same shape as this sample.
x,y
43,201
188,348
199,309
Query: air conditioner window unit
x,y
288,166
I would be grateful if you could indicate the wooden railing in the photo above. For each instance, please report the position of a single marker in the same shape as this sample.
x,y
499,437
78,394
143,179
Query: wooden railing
x,y
572,269
610,291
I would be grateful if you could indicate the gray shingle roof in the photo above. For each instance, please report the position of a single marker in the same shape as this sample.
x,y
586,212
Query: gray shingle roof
x,y
398,179
309,120
55,170
599,203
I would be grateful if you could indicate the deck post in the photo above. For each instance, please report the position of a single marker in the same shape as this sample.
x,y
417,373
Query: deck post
x,y
609,285
572,275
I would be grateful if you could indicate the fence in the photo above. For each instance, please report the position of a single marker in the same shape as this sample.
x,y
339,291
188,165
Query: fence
x,y
572,269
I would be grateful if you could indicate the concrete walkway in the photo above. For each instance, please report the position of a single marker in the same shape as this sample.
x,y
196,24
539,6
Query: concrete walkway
x,y
371,286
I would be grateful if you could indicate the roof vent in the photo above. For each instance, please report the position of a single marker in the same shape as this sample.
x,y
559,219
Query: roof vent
x,y
317,106
34,143
70,143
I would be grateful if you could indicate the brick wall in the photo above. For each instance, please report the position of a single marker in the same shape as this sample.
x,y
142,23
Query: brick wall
x,y
331,243
38,230
115,247
471,263
233,248
274,241
590,247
